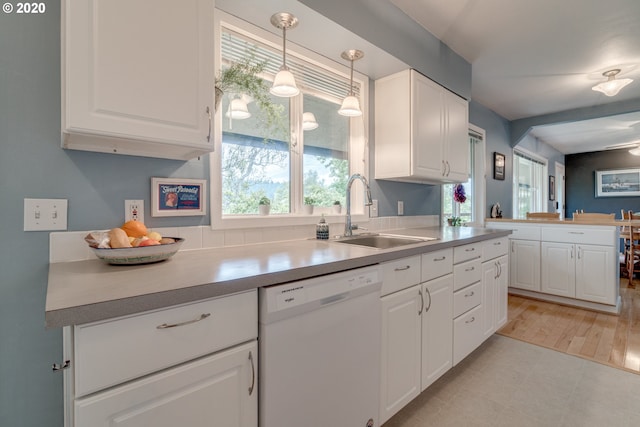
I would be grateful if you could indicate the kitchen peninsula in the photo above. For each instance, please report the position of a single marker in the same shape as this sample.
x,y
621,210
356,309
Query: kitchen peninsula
x,y
565,261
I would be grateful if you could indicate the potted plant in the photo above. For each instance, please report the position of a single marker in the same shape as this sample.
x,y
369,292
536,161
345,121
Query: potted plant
x,y
309,202
454,221
337,207
264,205
243,77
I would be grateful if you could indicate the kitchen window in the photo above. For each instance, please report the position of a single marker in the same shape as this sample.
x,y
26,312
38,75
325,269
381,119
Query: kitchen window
x,y
291,163
529,184
471,212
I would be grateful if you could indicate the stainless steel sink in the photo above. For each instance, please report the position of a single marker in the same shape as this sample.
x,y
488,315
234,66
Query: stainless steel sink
x,y
381,241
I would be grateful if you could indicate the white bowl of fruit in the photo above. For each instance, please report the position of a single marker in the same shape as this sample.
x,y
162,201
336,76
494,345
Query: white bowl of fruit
x,y
132,244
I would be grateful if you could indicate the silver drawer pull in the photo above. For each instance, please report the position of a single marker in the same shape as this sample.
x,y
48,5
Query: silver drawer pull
x,y
253,375
469,269
497,243
470,249
406,267
188,322
576,232
473,319
440,259
469,295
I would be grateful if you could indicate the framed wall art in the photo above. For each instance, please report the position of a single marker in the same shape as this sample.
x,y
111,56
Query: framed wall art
x,y
618,183
178,197
498,166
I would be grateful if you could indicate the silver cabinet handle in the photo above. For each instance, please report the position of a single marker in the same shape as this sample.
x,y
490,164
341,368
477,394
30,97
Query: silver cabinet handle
x,y
473,319
469,295
470,249
579,252
253,374
497,243
188,322
421,302
209,114
429,294
65,365
440,259
444,168
406,267
576,232
571,252
469,269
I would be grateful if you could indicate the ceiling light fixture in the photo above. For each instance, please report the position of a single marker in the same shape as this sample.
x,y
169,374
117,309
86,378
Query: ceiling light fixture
x,y
284,85
238,109
350,105
309,121
635,151
612,86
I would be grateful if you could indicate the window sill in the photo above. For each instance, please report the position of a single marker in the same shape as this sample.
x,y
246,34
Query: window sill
x,y
280,220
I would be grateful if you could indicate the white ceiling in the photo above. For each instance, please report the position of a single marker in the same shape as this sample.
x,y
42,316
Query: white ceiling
x,y
536,57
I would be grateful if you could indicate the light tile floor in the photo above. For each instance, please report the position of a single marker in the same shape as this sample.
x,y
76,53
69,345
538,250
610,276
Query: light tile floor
x,y
506,382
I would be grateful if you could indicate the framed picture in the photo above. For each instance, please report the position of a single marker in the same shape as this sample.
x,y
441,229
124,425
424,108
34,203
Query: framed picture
x,y
552,187
498,166
178,197
618,183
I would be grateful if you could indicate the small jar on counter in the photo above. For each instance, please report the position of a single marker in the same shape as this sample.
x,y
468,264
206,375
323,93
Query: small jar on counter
x,y
322,229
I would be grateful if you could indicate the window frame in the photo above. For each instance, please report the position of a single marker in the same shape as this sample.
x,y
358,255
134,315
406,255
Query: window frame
x,y
358,139
544,193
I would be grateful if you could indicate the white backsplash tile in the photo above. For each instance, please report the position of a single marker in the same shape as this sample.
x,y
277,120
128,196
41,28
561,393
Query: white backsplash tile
x,y
70,245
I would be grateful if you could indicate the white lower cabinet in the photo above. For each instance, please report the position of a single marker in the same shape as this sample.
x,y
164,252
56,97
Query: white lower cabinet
x,y
525,265
401,350
216,390
195,364
467,333
495,281
437,329
558,269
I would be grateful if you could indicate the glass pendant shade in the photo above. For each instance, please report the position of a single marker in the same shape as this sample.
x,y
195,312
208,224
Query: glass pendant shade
x,y
284,85
635,151
350,107
612,86
309,121
238,109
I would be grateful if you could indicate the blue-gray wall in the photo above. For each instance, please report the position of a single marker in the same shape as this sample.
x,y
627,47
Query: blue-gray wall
x,y
580,181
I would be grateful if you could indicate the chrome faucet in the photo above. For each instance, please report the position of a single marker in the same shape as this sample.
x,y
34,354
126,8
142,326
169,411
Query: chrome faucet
x,y
348,228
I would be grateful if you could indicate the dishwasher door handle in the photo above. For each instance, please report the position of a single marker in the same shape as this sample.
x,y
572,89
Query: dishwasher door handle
x,y
334,298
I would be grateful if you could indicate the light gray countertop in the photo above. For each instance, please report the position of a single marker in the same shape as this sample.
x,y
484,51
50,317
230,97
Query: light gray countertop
x,y
86,291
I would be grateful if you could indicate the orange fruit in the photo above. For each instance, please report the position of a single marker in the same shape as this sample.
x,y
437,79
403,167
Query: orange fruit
x,y
134,228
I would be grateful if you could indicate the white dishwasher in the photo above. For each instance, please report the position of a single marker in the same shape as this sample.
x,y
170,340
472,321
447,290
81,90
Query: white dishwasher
x,y
320,351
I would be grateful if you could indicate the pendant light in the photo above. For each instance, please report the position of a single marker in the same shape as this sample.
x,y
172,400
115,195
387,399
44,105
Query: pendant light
x,y
309,121
350,105
612,86
284,85
238,109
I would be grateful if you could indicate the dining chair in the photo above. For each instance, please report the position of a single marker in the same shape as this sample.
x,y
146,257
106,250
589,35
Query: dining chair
x,y
591,216
632,244
543,215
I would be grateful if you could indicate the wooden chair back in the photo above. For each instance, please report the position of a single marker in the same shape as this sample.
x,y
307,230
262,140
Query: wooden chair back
x,y
543,215
631,236
589,216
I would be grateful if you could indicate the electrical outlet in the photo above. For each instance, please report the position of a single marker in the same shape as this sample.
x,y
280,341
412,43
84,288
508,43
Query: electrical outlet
x,y
373,209
134,210
400,207
45,214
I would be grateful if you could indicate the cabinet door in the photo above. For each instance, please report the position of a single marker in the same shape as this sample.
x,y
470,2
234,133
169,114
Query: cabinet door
x,y
596,276
138,76
437,329
525,265
456,141
467,333
400,355
489,293
558,269
428,124
217,390
502,291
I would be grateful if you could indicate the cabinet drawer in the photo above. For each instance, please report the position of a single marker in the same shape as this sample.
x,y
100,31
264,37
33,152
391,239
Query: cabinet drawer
x,y
467,333
112,352
437,264
583,235
467,273
525,232
400,274
467,252
467,298
494,248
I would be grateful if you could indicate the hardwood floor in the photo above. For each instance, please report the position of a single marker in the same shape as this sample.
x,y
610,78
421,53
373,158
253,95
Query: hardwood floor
x,y
604,338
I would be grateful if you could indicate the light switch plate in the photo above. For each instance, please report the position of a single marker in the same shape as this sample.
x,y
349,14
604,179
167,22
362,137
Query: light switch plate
x,y
400,208
45,214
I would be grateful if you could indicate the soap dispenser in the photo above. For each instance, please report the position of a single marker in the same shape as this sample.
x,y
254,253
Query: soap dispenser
x,y
322,229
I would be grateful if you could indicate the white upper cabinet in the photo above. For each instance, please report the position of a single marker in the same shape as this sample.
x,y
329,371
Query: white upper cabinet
x,y
420,130
137,77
